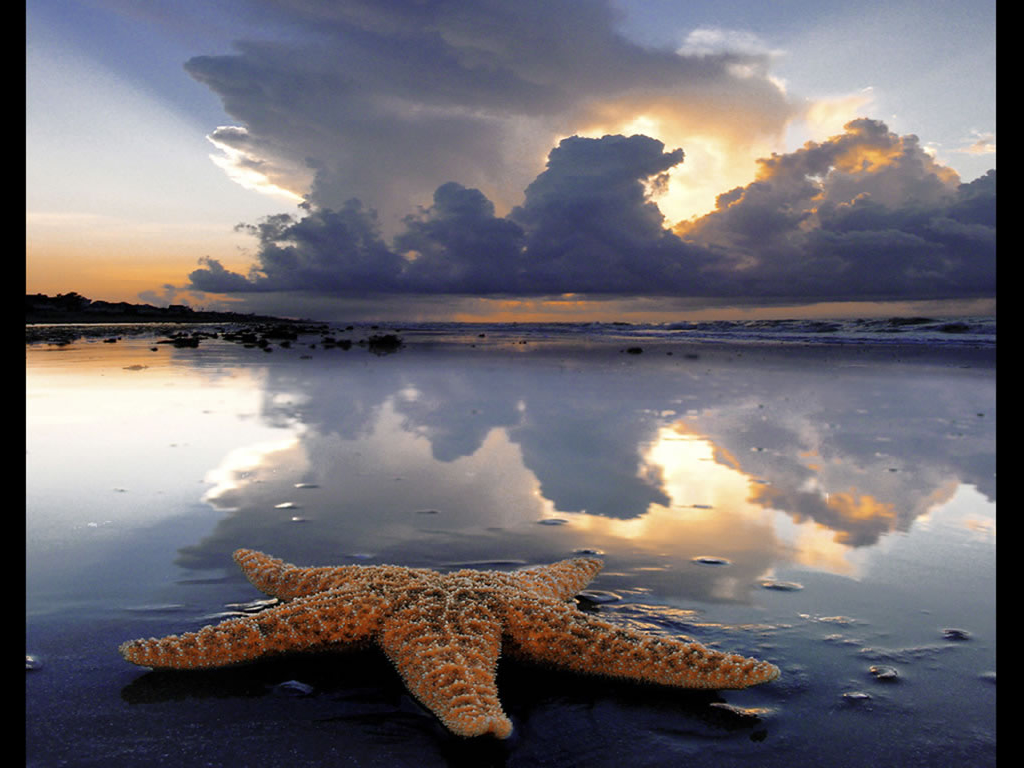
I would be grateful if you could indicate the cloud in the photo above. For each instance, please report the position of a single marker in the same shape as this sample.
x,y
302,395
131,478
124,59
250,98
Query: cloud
x,y
864,215
523,150
334,252
169,296
586,225
983,144
246,163
591,227
387,101
212,277
459,245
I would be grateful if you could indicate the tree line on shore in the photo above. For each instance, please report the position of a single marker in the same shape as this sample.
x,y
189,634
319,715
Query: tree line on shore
x,y
74,308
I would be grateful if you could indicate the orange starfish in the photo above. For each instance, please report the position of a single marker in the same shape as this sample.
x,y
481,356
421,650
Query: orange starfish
x,y
445,632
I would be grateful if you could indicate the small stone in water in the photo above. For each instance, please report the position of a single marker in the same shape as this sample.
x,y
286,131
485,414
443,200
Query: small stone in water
x,y
739,714
253,606
710,560
881,672
951,633
857,696
32,662
597,597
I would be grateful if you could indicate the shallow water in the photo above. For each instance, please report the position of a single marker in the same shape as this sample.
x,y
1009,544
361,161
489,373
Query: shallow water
x,y
830,510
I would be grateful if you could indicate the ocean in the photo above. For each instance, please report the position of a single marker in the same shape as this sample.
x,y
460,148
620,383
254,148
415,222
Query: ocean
x,y
953,332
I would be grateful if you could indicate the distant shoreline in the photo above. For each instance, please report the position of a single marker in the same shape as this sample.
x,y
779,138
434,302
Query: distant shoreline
x,y
73,308
130,319
64,318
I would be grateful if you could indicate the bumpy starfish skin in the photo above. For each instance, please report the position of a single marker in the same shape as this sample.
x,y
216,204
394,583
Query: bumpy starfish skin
x,y
445,632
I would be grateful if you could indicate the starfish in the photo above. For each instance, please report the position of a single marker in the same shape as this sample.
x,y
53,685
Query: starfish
x,y
444,632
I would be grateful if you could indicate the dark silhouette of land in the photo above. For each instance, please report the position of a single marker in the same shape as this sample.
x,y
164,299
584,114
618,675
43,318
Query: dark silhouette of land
x,y
67,317
74,308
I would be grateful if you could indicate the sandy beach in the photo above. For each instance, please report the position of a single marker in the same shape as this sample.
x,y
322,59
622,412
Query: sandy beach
x,y
827,507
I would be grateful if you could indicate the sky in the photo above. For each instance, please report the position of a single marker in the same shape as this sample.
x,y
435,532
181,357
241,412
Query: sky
x,y
543,159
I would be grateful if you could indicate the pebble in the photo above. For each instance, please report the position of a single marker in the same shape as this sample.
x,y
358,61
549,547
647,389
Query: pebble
x,y
951,633
857,696
253,606
710,560
887,674
781,586
597,596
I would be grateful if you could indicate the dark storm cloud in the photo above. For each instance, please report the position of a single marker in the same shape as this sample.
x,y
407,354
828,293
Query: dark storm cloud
x,y
866,215
212,277
586,225
459,244
326,251
591,226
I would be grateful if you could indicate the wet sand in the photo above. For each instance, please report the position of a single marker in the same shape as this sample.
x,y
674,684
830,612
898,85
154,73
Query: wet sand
x,y
830,509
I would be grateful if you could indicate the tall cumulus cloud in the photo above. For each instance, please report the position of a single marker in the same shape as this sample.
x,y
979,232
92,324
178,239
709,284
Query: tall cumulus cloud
x,y
386,101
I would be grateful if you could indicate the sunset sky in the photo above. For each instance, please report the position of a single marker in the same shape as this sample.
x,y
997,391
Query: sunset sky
x,y
487,159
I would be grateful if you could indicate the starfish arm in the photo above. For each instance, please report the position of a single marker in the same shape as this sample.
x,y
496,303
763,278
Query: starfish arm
x,y
556,633
273,576
330,618
561,580
445,645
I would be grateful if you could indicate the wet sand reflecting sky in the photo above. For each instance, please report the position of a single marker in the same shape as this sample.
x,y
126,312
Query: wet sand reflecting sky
x,y
156,465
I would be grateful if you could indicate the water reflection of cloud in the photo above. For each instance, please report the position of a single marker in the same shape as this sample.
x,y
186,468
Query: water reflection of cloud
x,y
243,466
424,461
373,493
820,448
983,528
